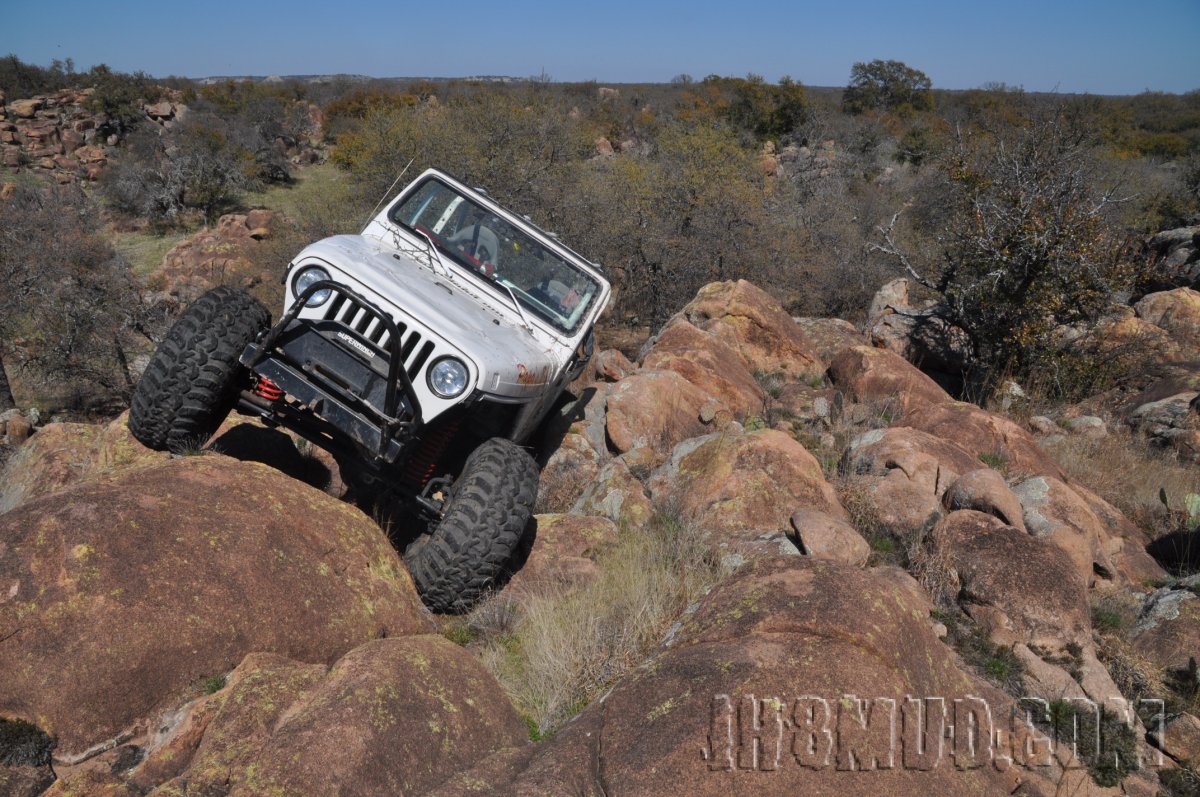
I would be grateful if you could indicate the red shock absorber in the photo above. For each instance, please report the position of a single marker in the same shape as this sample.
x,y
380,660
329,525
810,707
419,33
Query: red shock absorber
x,y
267,389
420,467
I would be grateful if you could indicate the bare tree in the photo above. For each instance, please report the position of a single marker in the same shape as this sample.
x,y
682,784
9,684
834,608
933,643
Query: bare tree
x,y
1026,247
69,306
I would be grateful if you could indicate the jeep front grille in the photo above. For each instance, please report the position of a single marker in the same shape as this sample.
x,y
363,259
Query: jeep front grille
x,y
413,351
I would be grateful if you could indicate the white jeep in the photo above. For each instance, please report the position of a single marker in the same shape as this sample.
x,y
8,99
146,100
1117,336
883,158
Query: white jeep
x,y
423,353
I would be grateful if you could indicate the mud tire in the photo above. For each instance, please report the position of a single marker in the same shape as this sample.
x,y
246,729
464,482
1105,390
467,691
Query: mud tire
x,y
485,518
193,379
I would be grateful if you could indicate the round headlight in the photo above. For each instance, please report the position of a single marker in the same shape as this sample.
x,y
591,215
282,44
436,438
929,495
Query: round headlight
x,y
448,378
307,277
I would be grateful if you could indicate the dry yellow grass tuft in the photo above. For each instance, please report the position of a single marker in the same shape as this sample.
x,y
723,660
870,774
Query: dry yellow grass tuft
x,y
1129,473
557,649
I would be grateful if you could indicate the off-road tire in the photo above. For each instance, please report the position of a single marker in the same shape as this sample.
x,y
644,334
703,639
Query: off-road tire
x,y
193,378
485,517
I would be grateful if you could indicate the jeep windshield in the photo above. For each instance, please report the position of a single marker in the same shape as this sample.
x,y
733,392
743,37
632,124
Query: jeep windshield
x,y
498,253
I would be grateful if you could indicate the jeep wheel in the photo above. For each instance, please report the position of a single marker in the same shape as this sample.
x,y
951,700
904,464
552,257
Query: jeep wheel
x,y
485,517
192,381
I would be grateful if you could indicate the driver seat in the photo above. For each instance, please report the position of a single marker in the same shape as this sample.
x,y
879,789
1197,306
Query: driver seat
x,y
479,242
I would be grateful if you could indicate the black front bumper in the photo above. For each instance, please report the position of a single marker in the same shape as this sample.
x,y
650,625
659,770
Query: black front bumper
x,y
339,383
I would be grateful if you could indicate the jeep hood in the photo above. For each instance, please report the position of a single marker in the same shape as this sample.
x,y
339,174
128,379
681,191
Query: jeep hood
x,y
509,359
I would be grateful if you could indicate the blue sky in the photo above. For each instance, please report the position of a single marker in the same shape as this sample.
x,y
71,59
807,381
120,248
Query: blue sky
x,y
1099,46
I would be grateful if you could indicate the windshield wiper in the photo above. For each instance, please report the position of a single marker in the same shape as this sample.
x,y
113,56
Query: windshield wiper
x,y
516,304
436,255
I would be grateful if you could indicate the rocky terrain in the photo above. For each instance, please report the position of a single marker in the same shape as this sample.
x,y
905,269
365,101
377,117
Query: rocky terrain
x,y
64,137
213,624
59,135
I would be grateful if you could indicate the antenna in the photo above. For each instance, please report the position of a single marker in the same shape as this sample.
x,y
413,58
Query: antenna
x,y
388,193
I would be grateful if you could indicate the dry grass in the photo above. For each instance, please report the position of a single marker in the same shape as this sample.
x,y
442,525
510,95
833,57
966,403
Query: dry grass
x,y
145,249
314,189
556,649
1129,473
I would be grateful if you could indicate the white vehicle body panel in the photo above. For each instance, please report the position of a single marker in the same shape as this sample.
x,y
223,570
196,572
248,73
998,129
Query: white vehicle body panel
x,y
512,355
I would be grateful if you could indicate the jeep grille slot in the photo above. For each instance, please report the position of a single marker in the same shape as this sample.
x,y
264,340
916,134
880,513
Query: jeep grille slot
x,y
415,366
345,310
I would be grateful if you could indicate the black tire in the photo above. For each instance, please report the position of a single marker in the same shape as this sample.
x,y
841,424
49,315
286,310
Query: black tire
x,y
485,518
193,379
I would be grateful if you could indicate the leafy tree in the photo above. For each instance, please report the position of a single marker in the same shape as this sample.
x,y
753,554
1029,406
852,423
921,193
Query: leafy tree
x,y
19,79
768,111
1024,247
887,86
120,97
750,103
692,212
920,142
515,144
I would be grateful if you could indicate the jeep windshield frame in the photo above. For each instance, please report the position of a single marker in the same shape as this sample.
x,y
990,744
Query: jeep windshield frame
x,y
500,252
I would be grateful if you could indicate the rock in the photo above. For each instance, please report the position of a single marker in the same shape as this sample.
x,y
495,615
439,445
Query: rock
x,y
986,435
1087,426
707,362
1167,631
1010,394
18,430
604,148
1056,513
615,494
392,716
742,489
654,409
1122,540
90,154
63,454
887,299
1157,418
66,164
159,110
221,254
1177,311
807,404
569,472
1185,442
71,139
683,723
1169,239
1177,259
824,537
24,109
259,218
1123,332
753,324
829,336
613,366
1180,738
1042,425
907,472
170,746
985,490
564,552
124,593
1044,678
867,374
1033,583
